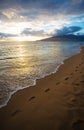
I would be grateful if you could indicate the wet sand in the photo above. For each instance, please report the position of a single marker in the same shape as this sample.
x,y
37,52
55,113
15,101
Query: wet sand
x,y
55,103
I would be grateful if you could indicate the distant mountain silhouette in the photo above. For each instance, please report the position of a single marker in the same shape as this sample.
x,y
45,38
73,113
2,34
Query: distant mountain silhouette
x,y
65,38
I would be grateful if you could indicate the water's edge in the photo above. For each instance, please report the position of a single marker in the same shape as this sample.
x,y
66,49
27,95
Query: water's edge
x,y
57,68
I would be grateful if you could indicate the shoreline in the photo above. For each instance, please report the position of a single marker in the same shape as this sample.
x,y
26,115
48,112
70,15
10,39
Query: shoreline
x,y
35,81
43,98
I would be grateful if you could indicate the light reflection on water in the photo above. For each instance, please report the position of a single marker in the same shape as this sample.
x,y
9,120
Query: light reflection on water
x,y
25,58
21,63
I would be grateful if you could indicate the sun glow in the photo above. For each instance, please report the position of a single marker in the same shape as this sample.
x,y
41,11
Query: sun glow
x,y
27,38
20,38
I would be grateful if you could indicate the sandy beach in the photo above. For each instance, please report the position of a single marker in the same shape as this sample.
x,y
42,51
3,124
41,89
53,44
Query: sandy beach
x,y
55,103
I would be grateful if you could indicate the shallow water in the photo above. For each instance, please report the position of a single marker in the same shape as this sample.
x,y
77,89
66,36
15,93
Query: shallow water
x,y
21,63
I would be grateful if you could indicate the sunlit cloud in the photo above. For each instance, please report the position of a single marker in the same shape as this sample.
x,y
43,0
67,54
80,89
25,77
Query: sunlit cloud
x,y
13,27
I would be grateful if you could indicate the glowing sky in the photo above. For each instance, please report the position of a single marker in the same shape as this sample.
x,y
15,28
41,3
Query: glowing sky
x,y
36,19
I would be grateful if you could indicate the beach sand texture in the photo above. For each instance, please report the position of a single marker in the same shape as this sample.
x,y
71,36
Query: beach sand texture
x,y
56,102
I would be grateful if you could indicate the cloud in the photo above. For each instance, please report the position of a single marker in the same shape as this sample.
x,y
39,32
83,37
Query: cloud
x,y
56,6
45,6
29,31
40,17
43,10
34,8
68,30
79,18
26,31
3,17
6,35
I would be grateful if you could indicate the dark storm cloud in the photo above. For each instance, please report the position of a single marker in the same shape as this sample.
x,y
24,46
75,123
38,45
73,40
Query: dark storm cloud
x,y
68,30
49,6
5,4
6,35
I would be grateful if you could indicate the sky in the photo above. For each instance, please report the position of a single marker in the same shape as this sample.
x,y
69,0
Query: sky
x,y
30,20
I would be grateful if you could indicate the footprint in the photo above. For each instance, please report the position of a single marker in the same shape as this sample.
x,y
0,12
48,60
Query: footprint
x,y
47,90
31,98
82,81
57,83
71,105
74,100
66,78
71,74
79,125
15,112
77,84
76,70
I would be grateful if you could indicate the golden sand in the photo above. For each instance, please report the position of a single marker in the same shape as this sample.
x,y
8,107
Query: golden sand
x,y
55,103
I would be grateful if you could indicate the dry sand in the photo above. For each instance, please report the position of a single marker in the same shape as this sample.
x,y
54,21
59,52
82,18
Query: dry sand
x,y
55,103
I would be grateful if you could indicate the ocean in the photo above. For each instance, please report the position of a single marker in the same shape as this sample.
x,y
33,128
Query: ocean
x,y
22,63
